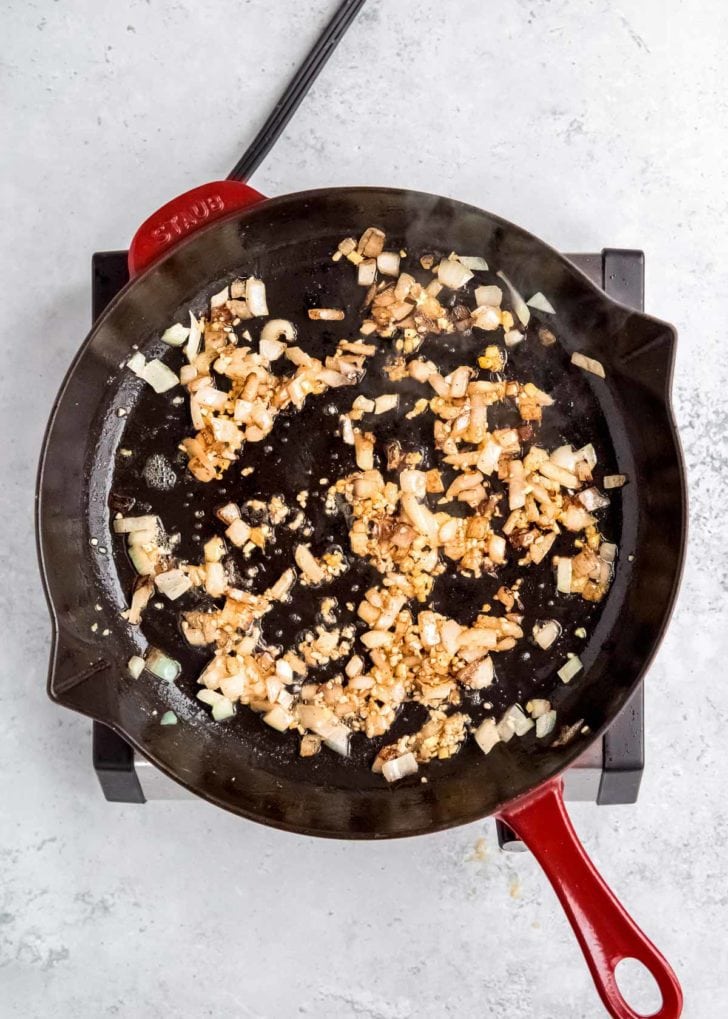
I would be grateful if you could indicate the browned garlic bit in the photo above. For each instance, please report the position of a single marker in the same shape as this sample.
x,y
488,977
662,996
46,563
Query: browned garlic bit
x,y
225,421
479,499
439,738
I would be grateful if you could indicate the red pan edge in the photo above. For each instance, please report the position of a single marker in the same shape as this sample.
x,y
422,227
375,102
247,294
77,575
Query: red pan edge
x,y
604,930
185,214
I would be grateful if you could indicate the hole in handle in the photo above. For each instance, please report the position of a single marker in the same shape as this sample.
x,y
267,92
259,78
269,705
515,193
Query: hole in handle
x,y
638,987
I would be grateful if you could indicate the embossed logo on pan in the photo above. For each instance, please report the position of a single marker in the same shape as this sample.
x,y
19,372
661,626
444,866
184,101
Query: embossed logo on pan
x,y
196,214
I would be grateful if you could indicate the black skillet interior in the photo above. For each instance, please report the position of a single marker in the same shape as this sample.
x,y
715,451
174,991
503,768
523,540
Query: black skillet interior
x,y
102,411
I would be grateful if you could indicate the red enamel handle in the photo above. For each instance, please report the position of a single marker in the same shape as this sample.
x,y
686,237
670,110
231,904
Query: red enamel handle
x,y
605,931
185,214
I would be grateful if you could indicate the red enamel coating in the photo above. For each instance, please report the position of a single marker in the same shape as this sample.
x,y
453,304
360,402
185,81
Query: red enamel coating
x,y
605,931
184,214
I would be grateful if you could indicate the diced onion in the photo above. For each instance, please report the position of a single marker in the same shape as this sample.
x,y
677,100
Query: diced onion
x,y
223,709
403,287
238,532
474,262
363,403
569,669
172,583
338,740
497,548
399,767
615,480
282,586
592,499
284,670
453,274
271,350
563,575
126,525
215,579
137,363
488,296
516,494
554,473
371,242
228,513
517,720
193,342
176,335
135,665
505,730
218,299
273,687
278,718
608,552
388,263
159,376
307,563
547,632
209,696
537,707
325,314
367,272
208,396
162,665
565,457
545,724
324,723
516,486
142,563
486,735
286,699
489,457
363,450
255,296
278,329
541,303
519,305
420,516
168,718
413,481
347,246
385,403
605,573
233,687
576,518
588,455
143,538
589,364
347,429
513,337
479,675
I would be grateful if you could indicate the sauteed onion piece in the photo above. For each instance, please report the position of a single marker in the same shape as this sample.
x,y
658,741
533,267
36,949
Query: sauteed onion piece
x,y
589,364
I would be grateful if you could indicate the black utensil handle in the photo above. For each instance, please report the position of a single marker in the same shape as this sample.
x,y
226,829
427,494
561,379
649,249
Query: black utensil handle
x,y
296,91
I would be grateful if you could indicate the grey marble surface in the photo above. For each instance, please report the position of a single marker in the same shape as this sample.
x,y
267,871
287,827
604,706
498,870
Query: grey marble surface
x,y
591,123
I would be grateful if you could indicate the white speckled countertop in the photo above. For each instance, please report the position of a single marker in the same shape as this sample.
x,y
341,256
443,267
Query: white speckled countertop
x,y
592,124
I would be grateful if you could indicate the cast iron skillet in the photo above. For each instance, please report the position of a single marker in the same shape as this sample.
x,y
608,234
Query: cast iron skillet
x,y
243,767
